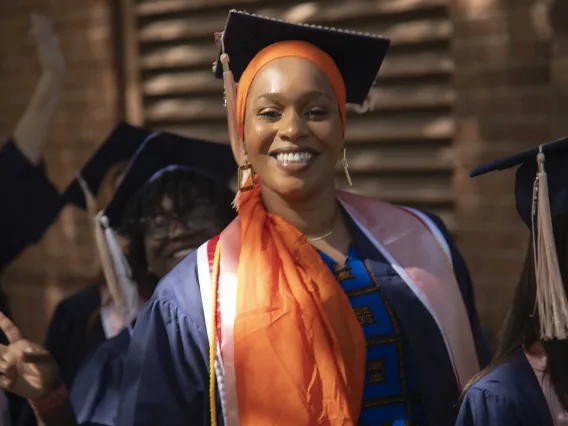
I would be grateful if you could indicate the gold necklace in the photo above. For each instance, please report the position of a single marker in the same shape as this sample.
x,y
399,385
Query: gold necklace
x,y
321,237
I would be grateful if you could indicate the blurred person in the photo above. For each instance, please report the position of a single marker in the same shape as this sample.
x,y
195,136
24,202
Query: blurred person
x,y
78,325
526,384
314,306
31,202
172,198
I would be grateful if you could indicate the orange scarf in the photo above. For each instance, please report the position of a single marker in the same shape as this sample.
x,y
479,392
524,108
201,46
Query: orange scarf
x,y
299,349
287,49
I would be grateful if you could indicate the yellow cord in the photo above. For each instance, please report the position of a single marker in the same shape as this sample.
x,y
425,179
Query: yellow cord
x,y
213,342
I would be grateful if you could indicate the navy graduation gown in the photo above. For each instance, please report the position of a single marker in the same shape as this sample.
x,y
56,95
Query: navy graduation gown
x,y
166,373
30,202
95,393
509,395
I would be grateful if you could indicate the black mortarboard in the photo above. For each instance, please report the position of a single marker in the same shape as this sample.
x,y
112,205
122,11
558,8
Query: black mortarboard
x,y
556,165
165,151
358,56
120,145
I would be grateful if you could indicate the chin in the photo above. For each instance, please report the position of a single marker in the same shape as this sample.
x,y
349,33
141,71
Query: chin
x,y
294,189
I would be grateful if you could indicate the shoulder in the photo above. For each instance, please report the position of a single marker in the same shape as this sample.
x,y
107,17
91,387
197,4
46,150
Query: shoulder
x,y
80,305
511,382
178,294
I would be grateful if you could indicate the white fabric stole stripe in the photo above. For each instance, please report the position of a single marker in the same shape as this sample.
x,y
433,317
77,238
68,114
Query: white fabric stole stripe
x,y
205,287
406,278
433,229
228,284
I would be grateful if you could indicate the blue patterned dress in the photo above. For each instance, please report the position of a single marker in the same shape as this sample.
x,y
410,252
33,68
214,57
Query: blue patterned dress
x,y
390,396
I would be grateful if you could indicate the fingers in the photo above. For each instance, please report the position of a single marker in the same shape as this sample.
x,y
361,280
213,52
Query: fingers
x,y
8,368
10,330
38,357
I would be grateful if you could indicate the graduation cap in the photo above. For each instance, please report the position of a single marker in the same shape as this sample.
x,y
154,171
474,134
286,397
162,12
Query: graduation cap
x,y
541,193
162,152
556,154
358,55
120,145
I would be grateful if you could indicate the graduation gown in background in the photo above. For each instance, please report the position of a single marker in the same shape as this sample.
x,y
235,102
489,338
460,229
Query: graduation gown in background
x,y
30,202
95,393
509,395
75,332
166,374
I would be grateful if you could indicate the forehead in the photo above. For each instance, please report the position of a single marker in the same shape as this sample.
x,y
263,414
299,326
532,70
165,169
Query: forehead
x,y
292,76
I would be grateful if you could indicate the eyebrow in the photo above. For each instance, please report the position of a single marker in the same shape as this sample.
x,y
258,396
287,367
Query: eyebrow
x,y
276,95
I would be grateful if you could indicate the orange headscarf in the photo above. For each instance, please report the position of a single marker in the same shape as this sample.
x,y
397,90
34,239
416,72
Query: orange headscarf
x,y
290,49
299,349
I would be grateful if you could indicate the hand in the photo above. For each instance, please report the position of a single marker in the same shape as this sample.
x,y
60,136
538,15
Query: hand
x,y
47,44
26,369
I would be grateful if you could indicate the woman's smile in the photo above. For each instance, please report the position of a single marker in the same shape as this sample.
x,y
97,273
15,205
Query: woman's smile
x,y
294,160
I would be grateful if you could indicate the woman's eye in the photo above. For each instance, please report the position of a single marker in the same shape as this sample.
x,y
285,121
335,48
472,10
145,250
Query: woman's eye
x,y
269,114
317,112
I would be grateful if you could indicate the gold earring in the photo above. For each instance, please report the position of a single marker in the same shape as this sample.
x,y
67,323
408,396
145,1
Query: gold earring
x,y
246,176
346,168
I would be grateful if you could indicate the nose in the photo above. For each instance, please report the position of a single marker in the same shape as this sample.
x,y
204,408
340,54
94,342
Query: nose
x,y
178,229
293,127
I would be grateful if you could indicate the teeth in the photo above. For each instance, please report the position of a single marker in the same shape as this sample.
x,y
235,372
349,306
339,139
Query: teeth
x,y
296,157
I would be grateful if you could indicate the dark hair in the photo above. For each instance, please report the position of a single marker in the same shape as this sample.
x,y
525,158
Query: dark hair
x,y
522,324
184,188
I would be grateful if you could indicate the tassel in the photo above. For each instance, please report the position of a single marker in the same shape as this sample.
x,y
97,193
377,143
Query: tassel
x,y
231,104
245,173
551,301
125,290
91,204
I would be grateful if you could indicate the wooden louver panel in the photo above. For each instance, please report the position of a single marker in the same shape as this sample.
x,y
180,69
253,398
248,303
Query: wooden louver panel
x,y
400,152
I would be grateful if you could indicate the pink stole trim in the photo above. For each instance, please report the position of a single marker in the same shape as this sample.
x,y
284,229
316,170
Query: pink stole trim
x,y
419,254
408,240
537,360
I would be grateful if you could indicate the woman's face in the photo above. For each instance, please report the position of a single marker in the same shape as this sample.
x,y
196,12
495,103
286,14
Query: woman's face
x,y
172,236
293,129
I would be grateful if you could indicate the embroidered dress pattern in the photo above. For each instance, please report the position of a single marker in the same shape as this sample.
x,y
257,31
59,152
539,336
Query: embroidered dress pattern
x,y
390,396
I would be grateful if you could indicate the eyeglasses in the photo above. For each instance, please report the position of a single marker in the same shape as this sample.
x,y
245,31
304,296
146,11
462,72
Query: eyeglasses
x,y
160,228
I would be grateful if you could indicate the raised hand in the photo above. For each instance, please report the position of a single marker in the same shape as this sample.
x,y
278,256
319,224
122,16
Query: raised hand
x,y
26,369
48,51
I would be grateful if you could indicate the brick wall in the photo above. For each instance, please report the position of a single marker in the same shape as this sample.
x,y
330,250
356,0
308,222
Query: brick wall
x,y
511,63
60,264
505,92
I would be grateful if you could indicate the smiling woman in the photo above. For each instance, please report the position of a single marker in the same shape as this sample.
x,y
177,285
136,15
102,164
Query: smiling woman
x,y
313,306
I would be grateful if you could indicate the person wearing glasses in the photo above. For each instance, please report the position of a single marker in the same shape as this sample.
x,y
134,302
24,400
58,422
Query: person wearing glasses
x,y
173,197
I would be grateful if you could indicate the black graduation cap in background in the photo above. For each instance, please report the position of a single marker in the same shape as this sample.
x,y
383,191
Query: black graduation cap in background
x,y
556,154
165,151
358,56
120,145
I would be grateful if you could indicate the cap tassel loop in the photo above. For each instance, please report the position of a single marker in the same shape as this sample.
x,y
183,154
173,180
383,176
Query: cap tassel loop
x,y
246,179
551,301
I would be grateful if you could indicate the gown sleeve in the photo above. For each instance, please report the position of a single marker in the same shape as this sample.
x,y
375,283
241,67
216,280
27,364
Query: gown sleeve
x,y
31,202
166,373
485,408
463,278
